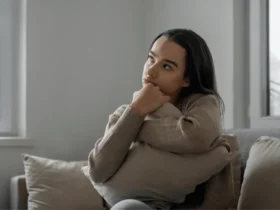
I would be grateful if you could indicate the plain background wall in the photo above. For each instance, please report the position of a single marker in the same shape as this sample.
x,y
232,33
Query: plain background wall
x,y
85,58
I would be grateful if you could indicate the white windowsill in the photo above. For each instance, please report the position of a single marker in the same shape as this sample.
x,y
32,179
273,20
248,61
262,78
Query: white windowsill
x,y
15,142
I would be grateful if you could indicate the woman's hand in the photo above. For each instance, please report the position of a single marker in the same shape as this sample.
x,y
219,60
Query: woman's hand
x,y
148,99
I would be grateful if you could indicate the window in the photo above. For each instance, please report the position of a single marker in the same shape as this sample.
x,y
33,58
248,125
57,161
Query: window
x,y
11,65
264,63
274,57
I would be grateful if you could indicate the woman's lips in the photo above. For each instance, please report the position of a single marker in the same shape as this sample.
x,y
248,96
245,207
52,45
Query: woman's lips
x,y
148,81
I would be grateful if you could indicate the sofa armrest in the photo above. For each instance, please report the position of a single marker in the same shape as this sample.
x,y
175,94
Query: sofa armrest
x,y
18,193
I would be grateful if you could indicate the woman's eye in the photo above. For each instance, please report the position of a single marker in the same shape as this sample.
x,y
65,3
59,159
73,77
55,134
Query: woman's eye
x,y
150,58
167,67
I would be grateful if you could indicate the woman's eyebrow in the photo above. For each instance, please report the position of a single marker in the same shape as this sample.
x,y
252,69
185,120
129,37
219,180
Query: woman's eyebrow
x,y
166,60
171,62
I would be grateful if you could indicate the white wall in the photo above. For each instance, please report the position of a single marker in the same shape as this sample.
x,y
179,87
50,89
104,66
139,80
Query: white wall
x,y
84,59
214,21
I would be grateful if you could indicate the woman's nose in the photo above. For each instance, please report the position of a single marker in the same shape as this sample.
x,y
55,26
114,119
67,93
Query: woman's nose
x,y
152,71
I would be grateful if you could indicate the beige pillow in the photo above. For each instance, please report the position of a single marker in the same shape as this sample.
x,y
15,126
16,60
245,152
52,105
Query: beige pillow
x,y
56,184
149,173
261,185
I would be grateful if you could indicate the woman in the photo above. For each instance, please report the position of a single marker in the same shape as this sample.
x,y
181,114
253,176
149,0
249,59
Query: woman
x,y
143,160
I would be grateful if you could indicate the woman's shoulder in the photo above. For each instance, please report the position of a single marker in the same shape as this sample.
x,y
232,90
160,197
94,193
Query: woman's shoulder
x,y
198,96
201,100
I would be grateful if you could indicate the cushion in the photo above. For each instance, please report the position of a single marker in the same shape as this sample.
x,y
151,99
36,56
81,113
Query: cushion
x,y
160,175
247,137
57,184
261,184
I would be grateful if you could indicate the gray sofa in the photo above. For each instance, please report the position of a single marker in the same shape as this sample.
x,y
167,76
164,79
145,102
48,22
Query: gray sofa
x,y
246,138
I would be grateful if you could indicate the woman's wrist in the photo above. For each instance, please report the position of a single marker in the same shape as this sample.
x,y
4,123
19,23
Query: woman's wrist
x,y
137,109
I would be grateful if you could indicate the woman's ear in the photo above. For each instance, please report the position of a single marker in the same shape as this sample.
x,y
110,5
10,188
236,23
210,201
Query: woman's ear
x,y
186,83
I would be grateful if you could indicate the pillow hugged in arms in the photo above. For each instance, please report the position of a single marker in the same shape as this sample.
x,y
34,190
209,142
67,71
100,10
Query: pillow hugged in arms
x,y
149,173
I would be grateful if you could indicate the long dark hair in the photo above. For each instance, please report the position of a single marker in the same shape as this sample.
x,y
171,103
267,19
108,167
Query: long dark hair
x,y
199,71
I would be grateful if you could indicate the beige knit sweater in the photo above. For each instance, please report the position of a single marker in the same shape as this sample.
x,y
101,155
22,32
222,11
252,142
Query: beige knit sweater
x,y
158,152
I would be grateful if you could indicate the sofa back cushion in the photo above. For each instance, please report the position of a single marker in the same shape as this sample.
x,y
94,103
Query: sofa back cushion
x,y
57,184
247,137
260,188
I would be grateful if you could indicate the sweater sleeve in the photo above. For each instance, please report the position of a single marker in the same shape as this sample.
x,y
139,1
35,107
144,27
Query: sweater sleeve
x,y
110,151
192,131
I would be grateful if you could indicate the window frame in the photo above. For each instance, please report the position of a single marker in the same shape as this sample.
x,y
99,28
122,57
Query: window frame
x,y
13,73
259,66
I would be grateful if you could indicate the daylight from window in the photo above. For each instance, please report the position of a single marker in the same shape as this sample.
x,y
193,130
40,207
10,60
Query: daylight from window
x,y
274,57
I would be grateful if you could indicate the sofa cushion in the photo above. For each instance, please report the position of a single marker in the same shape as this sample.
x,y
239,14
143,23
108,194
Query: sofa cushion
x,y
57,184
247,137
260,188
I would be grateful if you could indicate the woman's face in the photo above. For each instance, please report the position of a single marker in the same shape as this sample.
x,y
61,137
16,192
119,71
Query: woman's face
x,y
165,67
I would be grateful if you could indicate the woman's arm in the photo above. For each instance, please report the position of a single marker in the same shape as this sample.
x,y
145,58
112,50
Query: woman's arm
x,y
194,131
109,152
